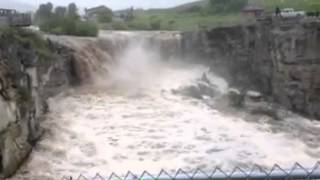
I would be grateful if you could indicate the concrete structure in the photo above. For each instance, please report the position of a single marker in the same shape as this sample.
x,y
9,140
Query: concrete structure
x,y
124,15
92,14
10,17
254,11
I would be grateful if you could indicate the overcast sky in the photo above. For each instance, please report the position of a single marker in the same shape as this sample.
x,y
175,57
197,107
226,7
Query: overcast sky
x,y
114,4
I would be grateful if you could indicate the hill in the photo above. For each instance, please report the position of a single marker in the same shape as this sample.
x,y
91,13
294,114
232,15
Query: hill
x,y
296,4
190,16
184,7
202,14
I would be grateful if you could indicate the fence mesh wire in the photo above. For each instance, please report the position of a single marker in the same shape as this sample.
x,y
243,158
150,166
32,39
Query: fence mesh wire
x,y
297,172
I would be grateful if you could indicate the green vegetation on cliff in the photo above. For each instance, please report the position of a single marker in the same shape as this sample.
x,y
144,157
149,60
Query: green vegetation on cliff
x,y
26,39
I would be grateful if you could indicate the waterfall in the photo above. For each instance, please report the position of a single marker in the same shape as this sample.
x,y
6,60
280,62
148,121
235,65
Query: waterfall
x,y
96,57
141,106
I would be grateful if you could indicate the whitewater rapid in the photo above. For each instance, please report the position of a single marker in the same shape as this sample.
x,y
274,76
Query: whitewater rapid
x,y
132,121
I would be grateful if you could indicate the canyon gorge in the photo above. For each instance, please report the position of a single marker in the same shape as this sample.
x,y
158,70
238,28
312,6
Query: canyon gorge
x,y
159,100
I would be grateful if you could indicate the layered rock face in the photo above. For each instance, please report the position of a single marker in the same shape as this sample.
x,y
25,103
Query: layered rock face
x,y
280,58
28,76
34,68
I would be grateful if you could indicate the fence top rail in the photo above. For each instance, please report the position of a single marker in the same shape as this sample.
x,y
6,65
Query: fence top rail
x,y
297,172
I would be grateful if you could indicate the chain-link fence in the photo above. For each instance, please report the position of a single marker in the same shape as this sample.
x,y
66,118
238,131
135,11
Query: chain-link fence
x,y
297,172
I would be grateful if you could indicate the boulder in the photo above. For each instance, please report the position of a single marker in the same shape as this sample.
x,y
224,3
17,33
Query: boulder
x,y
235,97
254,96
203,88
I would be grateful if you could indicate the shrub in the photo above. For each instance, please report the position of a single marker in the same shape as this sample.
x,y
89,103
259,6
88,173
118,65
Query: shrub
x,y
23,94
193,9
69,26
105,16
171,24
119,25
138,26
155,24
85,29
27,39
57,31
225,6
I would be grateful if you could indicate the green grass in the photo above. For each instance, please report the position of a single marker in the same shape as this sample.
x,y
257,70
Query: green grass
x,y
171,20
182,18
305,5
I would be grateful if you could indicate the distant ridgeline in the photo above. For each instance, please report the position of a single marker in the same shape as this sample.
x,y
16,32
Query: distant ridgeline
x,y
10,17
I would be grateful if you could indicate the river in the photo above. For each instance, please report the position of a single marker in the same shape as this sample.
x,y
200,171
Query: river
x,y
131,120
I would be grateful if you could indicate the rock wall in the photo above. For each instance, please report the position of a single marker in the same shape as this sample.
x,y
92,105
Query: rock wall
x,y
31,70
280,58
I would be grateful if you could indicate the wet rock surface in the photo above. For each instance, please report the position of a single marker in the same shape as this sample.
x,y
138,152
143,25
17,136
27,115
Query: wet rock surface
x,y
203,88
98,130
283,63
27,79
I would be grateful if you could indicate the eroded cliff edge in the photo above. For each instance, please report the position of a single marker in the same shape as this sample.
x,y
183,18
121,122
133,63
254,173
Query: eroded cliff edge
x,y
280,58
31,70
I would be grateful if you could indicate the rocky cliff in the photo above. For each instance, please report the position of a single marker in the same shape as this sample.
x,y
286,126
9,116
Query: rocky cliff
x,y
280,58
31,70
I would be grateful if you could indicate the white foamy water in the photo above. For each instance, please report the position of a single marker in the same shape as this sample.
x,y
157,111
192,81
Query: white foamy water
x,y
132,121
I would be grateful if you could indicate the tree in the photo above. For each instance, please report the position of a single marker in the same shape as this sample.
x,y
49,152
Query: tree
x,y
105,16
171,23
130,14
49,7
64,21
224,6
155,24
237,5
60,11
73,11
44,12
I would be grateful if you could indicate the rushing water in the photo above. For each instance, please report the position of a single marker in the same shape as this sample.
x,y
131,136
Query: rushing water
x,y
131,120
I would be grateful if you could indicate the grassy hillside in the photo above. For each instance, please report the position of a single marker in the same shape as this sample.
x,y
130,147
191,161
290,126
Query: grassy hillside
x,y
172,20
199,15
306,5
200,3
186,17
268,4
